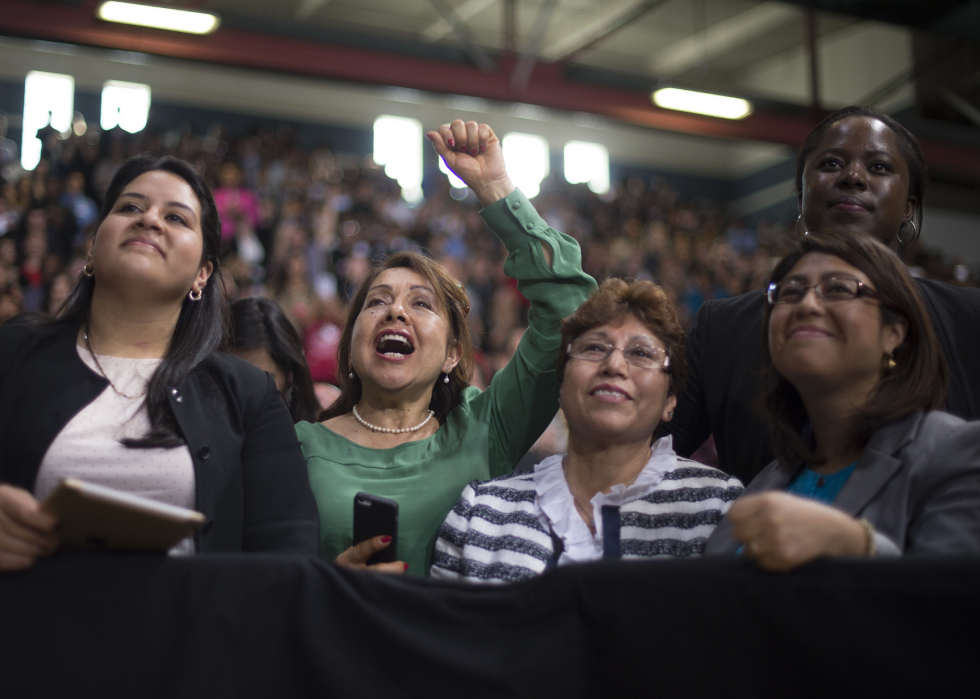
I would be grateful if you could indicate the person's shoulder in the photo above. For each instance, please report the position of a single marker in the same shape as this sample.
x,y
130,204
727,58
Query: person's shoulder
x,y
511,487
945,295
729,317
248,376
924,437
749,301
939,426
243,383
17,337
307,430
689,470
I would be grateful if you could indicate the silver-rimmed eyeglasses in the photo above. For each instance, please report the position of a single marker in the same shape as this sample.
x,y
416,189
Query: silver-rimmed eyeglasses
x,y
640,356
830,290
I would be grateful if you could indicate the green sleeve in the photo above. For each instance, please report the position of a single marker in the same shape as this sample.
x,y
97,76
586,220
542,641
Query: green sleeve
x,y
523,397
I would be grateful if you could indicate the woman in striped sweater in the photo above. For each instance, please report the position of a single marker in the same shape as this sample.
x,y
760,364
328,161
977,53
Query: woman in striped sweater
x,y
614,494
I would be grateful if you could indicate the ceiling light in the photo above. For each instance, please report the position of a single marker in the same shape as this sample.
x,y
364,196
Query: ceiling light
x,y
158,17
702,103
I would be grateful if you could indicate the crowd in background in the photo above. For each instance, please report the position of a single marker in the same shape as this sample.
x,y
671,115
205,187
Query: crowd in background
x,y
302,226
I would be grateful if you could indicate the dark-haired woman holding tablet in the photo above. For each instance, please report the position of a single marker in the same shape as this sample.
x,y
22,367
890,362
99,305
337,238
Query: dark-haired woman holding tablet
x,y
126,390
861,173
853,375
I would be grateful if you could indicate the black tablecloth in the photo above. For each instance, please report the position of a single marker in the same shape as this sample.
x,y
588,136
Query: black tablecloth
x,y
266,626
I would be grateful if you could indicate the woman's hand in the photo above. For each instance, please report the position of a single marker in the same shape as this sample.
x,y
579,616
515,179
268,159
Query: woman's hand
x,y
782,531
473,152
26,532
358,555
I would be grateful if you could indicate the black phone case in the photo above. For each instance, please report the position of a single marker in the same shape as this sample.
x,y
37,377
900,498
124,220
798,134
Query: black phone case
x,y
376,516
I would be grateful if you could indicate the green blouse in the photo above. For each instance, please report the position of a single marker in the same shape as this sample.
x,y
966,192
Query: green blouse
x,y
487,433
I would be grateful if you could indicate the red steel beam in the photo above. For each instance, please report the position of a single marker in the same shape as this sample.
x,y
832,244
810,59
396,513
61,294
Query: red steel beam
x,y
548,86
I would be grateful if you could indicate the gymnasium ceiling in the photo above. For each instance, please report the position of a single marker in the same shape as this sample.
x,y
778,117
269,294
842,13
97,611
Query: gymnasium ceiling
x,y
598,57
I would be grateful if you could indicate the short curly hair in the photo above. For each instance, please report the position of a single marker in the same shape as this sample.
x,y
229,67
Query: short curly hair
x,y
615,301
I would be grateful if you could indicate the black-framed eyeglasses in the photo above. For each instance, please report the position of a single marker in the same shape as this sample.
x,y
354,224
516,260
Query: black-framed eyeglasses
x,y
640,356
830,290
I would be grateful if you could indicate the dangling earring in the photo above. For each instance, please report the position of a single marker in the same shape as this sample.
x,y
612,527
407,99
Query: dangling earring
x,y
192,297
890,363
912,238
798,221
351,374
446,379
89,269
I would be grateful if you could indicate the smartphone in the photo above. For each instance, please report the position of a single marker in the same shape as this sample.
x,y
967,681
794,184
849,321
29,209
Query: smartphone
x,y
376,516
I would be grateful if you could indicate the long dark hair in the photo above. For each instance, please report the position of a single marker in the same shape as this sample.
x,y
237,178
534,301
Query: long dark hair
x,y
259,324
452,296
908,145
918,381
201,326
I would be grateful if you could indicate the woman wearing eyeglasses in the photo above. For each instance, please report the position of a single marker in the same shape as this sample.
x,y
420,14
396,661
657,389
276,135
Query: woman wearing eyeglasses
x,y
616,493
853,375
861,173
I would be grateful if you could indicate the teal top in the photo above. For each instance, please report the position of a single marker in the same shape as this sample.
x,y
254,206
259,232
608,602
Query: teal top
x,y
488,432
812,485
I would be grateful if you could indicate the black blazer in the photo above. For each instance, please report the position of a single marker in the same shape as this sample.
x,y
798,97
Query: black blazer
x,y
725,363
250,475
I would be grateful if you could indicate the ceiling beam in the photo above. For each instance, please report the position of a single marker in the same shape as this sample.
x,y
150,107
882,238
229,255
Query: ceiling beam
x,y
529,56
308,8
721,38
510,26
473,50
548,87
441,28
575,44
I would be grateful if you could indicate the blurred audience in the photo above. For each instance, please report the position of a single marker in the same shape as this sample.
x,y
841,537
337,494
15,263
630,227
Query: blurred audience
x,y
303,225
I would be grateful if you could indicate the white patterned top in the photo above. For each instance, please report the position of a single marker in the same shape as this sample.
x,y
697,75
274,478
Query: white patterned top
x,y
89,447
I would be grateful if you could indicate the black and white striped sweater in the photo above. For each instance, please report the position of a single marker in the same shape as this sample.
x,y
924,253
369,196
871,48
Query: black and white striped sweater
x,y
495,532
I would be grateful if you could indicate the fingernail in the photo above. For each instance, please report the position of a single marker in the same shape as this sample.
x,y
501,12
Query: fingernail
x,y
473,151
452,143
483,149
385,539
406,566
429,136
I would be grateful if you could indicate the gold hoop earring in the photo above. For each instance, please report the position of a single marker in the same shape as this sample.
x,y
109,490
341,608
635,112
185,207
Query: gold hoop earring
x,y
192,297
88,270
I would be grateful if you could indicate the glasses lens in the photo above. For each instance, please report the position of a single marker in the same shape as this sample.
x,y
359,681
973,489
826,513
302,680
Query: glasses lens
x,y
839,289
589,350
643,356
789,292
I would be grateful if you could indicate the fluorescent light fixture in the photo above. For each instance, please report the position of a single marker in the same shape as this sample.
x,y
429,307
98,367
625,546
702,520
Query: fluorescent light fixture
x,y
702,103
158,17
49,98
528,161
126,105
398,146
587,162
453,180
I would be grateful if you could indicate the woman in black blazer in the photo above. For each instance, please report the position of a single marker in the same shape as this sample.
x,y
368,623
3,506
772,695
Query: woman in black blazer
x,y
127,382
862,173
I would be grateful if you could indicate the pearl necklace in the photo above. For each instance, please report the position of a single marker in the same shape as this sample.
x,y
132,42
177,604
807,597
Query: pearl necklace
x,y
389,430
102,371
